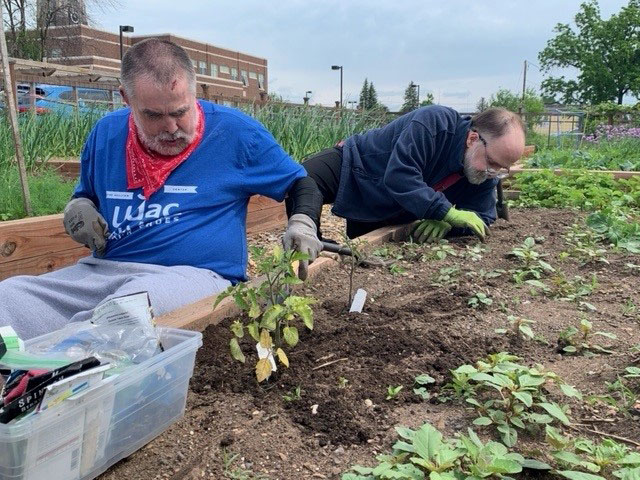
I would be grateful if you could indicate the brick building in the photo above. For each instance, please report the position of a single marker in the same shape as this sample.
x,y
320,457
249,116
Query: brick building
x,y
224,76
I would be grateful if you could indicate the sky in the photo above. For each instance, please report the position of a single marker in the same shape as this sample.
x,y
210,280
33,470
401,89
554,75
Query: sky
x,y
458,50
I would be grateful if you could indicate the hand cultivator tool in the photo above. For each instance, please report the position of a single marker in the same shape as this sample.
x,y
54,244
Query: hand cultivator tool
x,y
368,261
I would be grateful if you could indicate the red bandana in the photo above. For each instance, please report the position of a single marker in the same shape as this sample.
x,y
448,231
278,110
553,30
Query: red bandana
x,y
150,170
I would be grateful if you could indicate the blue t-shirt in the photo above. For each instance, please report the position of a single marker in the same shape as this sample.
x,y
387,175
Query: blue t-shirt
x,y
389,172
198,217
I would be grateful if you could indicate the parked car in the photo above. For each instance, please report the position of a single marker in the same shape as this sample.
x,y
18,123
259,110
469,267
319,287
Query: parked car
x,y
60,99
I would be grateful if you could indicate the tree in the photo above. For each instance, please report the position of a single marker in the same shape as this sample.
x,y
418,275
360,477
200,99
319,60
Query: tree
x,y
428,100
532,106
28,22
410,98
606,54
373,97
482,104
364,95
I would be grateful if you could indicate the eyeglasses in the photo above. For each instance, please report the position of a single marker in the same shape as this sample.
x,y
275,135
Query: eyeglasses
x,y
500,172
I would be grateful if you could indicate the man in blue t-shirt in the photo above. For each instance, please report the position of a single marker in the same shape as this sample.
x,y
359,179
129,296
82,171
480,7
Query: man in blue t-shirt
x,y
431,165
162,199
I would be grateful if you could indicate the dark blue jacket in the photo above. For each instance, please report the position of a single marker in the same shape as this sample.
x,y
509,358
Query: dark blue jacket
x,y
389,172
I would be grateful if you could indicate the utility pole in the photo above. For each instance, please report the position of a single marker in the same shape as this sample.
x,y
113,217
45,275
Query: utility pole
x,y
13,119
524,88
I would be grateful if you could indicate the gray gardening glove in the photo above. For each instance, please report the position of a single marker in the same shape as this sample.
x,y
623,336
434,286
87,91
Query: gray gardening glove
x,y
301,235
85,225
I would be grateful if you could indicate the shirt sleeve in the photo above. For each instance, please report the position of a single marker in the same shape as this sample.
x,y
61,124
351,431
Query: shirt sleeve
x,y
268,169
410,161
85,186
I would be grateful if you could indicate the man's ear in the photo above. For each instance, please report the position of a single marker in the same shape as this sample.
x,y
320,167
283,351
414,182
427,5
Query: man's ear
x,y
125,99
471,138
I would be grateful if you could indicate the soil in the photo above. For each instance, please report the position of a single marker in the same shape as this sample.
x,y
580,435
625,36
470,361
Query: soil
x,y
236,429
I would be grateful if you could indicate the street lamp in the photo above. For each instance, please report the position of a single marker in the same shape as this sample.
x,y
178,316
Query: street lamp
x,y
127,29
413,85
352,103
306,96
339,67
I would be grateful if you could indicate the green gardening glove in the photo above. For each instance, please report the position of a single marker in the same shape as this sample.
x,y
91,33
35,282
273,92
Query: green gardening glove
x,y
427,231
466,219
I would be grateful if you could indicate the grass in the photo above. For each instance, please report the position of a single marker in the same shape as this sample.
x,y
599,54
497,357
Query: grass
x,y
49,193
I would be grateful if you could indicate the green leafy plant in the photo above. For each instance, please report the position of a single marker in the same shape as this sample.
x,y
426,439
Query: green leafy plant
x,y
351,262
392,392
585,245
474,253
420,385
272,314
520,327
582,459
231,471
293,395
342,382
574,340
425,453
510,396
439,251
447,277
531,264
479,300
397,269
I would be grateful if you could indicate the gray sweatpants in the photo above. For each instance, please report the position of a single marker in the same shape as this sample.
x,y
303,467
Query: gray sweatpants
x,y
35,305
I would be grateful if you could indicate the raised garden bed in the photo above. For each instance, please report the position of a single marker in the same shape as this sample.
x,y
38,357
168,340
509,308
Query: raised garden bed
x,y
417,321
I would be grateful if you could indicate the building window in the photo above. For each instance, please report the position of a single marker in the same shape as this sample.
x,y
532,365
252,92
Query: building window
x,y
234,73
214,70
253,75
195,64
261,81
244,77
203,67
224,69
56,53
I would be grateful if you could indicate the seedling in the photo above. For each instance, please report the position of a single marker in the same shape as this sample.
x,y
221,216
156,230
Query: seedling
x,y
342,382
520,327
531,264
574,340
447,277
426,454
510,396
475,252
352,261
439,251
397,269
232,472
293,395
585,459
585,245
629,309
392,392
482,274
480,300
271,315
420,385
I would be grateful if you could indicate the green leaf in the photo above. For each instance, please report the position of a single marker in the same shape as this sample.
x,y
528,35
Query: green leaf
x,y
524,397
237,328
508,435
270,317
534,464
573,475
427,441
517,421
424,379
573,459
306,314
405,433
254,309
254,330
504,465
290,336
482,421
570,391
555,411
527,380
236,352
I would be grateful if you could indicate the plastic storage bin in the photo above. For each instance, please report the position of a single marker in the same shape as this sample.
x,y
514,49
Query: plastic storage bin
x,y
82,438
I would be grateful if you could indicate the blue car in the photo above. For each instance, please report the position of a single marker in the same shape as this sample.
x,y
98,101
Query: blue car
x,y
60,99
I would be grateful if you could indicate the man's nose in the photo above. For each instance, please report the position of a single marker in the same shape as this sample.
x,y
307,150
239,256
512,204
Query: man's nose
x,y
170,125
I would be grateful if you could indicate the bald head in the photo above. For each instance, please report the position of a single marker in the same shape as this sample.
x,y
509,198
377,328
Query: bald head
x,y
159,61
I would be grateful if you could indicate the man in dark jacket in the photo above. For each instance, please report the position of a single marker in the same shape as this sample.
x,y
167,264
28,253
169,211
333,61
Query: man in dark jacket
x,y
431,164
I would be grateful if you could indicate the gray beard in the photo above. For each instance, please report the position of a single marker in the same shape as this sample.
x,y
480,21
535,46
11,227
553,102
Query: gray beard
x,y
475,176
